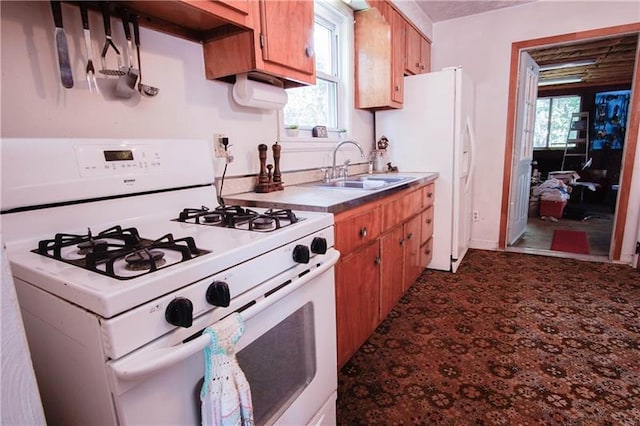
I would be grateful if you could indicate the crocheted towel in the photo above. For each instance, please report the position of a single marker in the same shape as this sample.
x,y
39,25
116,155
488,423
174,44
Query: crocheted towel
x,y
225,396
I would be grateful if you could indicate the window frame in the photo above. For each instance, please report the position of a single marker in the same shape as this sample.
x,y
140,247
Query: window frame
x,y
338,15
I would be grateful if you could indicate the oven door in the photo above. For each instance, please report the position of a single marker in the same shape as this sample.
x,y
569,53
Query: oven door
x,y
288,354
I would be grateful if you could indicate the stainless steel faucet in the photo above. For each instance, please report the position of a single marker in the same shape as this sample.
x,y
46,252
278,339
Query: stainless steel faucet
x,y
335,151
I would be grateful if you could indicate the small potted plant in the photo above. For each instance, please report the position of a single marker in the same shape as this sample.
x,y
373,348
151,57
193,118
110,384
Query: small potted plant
x,y
292,130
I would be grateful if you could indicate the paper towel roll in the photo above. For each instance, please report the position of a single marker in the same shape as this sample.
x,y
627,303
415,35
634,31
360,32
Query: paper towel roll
x,y
258,95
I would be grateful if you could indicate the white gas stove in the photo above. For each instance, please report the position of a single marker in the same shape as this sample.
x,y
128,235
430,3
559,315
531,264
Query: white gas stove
x,y
128,236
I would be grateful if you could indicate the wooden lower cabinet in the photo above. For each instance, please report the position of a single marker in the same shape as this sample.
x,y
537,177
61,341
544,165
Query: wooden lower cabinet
x,y
413,265
384,247
392,268
357,299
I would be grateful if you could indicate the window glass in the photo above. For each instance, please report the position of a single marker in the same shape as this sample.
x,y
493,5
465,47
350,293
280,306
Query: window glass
x,y
553,116
313,105
323,47
319,105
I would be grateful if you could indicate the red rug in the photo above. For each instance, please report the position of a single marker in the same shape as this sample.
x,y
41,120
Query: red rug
x,y
570,241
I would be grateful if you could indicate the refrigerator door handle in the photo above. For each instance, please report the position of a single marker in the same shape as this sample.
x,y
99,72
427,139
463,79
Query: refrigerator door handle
x,y
472,151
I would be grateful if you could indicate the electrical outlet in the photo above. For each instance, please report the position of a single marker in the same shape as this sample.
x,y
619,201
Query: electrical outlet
x,y
217,145
476,216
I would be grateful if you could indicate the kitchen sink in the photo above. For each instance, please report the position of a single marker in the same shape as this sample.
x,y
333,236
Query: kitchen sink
x,y
370,183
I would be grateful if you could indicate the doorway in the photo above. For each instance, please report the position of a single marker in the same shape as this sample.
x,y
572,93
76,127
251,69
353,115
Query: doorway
x,y
605,222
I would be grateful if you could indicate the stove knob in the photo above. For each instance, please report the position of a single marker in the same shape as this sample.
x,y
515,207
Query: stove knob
x,y
180,312
218,294
319,245
301,254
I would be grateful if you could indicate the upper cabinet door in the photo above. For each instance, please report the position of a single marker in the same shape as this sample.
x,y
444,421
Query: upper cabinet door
x,y
417,52
287,34
413,42
397,53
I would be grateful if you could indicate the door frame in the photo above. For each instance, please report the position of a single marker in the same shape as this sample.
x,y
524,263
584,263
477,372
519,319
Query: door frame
x,y
631,137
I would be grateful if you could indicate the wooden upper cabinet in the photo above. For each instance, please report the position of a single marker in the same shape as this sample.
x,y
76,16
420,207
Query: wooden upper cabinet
x,y
379,61
287,34
397,53
194,20
279,44
417,52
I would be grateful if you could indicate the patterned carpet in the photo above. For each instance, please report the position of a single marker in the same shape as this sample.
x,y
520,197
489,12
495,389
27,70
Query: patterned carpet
x,y
511,339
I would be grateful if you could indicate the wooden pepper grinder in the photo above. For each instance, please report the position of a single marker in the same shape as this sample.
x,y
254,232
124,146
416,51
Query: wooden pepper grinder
x,y
277,176
262,155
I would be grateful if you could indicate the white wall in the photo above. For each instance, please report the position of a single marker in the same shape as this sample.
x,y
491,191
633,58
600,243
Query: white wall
x,y
34,104
482,45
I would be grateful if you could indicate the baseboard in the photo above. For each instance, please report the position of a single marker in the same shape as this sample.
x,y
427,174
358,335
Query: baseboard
x,y
484,245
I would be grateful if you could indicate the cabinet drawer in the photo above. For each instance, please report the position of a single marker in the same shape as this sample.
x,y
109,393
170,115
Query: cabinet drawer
x,y
426,253
356,231
401,208
428,194
427,225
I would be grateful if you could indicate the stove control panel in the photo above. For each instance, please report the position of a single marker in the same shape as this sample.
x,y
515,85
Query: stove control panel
x,y
113,160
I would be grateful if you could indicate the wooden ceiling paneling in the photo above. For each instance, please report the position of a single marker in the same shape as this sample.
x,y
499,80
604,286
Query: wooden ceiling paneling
x,y
615,58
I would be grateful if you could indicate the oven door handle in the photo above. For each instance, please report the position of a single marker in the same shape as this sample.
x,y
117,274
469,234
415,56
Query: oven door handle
x,y
145,363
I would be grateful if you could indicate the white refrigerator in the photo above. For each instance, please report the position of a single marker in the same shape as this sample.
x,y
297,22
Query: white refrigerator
x,y
433,132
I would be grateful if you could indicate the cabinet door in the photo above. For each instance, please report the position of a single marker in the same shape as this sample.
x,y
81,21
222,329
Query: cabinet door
x,y
425,56
287,29
413,45
397,53
392,269
357,300
412,259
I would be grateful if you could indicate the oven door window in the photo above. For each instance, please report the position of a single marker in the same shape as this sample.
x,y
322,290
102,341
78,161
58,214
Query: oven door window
x,y
280,364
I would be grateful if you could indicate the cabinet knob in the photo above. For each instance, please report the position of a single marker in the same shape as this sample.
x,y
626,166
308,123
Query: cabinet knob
x,y
363,232
421,66
410,236
397,88
377,260
429,194
309,52
427,251
402,241
428,221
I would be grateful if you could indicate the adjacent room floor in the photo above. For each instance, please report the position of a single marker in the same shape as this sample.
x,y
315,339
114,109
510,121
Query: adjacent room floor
x,y
598,226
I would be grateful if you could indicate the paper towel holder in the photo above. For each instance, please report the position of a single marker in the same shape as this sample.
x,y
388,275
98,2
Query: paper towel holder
x,y
259,94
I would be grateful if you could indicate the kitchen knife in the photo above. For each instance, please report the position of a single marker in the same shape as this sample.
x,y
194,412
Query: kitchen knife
x,y
61,45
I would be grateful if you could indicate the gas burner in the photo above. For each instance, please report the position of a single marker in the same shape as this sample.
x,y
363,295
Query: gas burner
x,y
238,217
119,253
263,222
214,218
91,245
286,214
144,259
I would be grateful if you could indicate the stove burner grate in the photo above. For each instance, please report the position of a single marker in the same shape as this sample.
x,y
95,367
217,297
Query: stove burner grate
x,y
239,218
102,255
